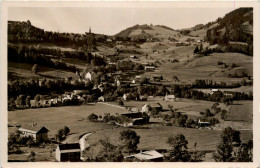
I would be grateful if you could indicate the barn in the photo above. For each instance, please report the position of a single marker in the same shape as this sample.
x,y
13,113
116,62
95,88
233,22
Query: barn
x,y
69,152
39,133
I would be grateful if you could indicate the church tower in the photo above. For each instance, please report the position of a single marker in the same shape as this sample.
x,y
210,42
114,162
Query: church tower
x,y
89,30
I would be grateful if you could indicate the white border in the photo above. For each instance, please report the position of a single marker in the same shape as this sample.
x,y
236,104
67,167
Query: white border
x,y
132,4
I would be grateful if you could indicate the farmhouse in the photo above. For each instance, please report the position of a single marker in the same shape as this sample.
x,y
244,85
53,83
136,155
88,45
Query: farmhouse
x,y
156,107
88,76
169,97
101,99
151,155
214,91
126,97
68,152
203,123
136,79
135,118
149,68
157,78
39,133
133,56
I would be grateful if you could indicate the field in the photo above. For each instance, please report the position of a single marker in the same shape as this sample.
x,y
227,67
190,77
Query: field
x,y
153,135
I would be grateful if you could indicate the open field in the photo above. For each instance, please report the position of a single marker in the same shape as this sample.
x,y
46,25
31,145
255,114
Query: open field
x,y
153,135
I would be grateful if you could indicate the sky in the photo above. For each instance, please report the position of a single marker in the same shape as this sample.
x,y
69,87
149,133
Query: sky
x,y
109,21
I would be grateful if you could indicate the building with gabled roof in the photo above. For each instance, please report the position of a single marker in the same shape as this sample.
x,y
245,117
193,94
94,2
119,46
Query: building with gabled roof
x,y
151,155
39,133
69,152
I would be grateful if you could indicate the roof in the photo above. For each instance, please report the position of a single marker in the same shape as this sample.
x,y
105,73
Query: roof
x,y
149,67
170,96
204,120
137,115
155,105
148,155
69,146
33,129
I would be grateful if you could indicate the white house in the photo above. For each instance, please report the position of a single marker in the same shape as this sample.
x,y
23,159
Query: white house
x,y
214,91
88,76
169,97
101,99
149,68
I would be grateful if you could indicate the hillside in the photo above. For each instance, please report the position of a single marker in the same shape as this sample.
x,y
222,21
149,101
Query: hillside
x,y
148,33
236,26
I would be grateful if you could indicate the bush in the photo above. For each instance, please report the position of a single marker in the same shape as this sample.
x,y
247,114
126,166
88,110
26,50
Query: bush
x,y
92,117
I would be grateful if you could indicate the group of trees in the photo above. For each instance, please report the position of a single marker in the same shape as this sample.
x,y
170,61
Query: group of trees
x,y
230,148
20,55
110,152
62,133
24,32
202,83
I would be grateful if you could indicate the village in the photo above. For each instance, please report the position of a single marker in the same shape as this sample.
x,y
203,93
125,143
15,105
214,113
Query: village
x,y
150,93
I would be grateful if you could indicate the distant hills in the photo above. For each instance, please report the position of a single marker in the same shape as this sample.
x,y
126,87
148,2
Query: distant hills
x,y
234,28
150,32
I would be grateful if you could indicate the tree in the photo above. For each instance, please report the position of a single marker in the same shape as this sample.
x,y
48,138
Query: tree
x,y
245,152
31,157
130,140
110,152
27,101
230,136
223,153
178,151
144,80
60,136
225,147
35,69
120,102
20,101
66,130
92,117
196,50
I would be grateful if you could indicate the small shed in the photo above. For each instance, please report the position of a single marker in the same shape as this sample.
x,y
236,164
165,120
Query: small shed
x,y
69,152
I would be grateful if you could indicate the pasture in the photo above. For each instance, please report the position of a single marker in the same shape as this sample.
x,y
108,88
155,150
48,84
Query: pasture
x,y
153,135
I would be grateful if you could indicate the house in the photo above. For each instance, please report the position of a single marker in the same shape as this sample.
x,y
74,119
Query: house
x,y
133,56
69,152
151,155
203,123
137,79
101,99
134,118
212,91
156,107
39,133
126,97
169,97
109,40
88,76
149,68
143,98
157,78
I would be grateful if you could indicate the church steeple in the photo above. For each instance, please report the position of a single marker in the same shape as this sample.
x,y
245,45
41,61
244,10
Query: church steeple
x,y
89,30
